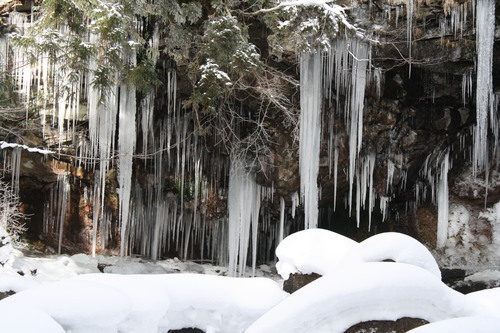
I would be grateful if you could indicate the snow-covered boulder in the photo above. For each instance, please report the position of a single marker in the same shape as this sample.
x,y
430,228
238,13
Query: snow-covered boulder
x,y
217,303
315,251
23,318
78,306
479,324
368,291
488,301
148,295
399,248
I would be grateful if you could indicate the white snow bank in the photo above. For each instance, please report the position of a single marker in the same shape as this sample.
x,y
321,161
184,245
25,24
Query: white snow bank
x,y
400,248
23,318
148,295
102,303
369,291
79,306
315,251
219,304
488,301
461,325
15,282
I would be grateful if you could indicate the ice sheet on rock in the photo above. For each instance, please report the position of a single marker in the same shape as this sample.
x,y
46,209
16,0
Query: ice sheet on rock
x,y
315,250
461,325
23,318
79,306
369,291
400,248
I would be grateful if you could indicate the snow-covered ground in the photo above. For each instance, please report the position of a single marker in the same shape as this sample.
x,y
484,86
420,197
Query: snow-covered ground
x,y
71,294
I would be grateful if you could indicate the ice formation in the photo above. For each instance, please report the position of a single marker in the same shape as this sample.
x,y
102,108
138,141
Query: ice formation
x,y
126,149
152,220
485,33
244,199
311,96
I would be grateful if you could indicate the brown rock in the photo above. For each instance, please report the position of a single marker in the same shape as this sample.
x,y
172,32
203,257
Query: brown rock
x,y
297,281
382,326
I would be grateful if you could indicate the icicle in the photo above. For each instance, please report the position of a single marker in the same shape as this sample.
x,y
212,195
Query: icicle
x,y
282,220
244,199
335,173
126,147
390,175
443,205
311,95
485,33
409,30
384,207
466,86
295,203
15,166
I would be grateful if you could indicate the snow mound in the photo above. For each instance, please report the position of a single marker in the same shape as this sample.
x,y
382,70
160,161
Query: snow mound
x,y
399,248
22,318
369,291
461,325
15,282
78,306
488,301
315,251
148,295
219,304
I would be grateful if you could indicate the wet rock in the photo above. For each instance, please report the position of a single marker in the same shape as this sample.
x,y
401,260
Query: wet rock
x,y
383,326
297,281
6,294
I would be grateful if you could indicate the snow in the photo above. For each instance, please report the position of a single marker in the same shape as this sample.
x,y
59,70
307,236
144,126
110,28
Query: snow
x,y
219,304
4,145
14,316
325,252
473,324
369,291
69,294
399,248
315,251
80,306
138,302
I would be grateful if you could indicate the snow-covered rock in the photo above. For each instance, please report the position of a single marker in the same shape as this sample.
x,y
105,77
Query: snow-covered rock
x,y
399,248
369,291
315,251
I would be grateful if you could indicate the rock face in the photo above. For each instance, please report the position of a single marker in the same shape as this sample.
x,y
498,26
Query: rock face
x,y
419,104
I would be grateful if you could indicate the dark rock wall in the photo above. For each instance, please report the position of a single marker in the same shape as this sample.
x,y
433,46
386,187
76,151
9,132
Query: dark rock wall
x,y
420,110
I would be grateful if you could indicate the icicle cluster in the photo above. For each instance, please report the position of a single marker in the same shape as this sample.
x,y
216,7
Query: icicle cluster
x,y
244,199
311,96
485,34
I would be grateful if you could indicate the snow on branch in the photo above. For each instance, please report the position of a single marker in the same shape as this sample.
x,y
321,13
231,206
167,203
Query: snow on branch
x,y
333,9
4,145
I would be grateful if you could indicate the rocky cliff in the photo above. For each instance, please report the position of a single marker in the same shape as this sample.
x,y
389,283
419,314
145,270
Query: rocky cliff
x,y
223,88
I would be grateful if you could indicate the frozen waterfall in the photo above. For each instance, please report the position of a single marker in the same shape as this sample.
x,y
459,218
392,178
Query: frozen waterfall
x,y
311,95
